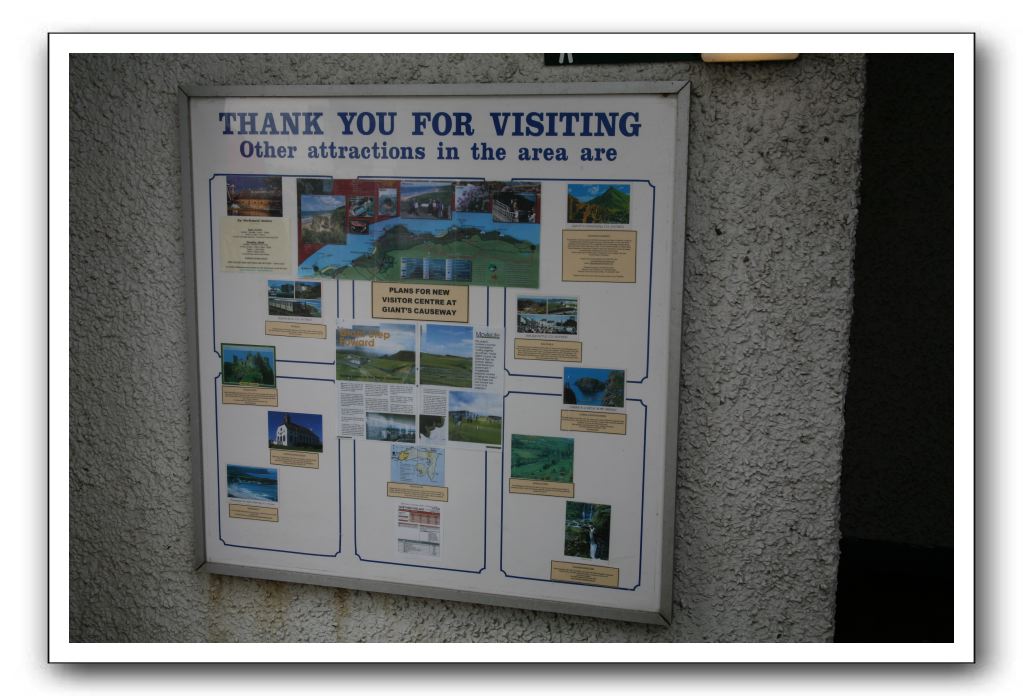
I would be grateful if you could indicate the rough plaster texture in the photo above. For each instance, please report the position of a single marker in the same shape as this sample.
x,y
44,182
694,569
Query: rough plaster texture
x,y
768,284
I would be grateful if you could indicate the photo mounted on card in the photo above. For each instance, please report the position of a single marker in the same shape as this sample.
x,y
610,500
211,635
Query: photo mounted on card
x,y
249,374
594,387
587,530
542,465
252,493
254,196
596,204
555,316
294,299
295,439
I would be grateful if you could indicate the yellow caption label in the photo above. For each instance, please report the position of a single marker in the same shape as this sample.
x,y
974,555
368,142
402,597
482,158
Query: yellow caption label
x,y
585,573
529,487
421,302
236,395
417,491
593,422
305,460
292,329
252,512
553,351
598,256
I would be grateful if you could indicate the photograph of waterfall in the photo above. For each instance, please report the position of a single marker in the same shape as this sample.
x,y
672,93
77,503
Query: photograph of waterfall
x,y
587,530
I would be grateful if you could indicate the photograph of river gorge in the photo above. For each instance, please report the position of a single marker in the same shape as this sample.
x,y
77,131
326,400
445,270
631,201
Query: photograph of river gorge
x,y
589,386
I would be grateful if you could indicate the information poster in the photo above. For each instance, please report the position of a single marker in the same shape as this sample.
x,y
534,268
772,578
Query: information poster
x,y
436,338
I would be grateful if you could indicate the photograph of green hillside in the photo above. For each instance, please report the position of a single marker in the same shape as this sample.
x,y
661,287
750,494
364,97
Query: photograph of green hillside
x,y
599,203
248,365
542,458
445,356
376,353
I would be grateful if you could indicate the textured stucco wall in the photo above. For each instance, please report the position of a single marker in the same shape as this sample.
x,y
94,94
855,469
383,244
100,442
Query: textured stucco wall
x,y
768,280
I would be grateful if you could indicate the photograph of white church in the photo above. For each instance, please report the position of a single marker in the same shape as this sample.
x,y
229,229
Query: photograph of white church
x,y
298,431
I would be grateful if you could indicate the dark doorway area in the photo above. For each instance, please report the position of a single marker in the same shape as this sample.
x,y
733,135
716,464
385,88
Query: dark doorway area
x,y
895,574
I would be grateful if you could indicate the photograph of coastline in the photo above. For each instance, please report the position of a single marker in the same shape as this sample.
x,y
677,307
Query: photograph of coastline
x,y
254,196
252,483
548,315
445,356
587,530
588,386
599,203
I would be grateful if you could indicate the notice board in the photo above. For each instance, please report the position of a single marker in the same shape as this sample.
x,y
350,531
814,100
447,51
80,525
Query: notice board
x,y
436,338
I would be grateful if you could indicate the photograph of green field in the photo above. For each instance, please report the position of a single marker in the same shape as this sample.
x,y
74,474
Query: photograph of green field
x,y
445,357
376,353
475,417
542,458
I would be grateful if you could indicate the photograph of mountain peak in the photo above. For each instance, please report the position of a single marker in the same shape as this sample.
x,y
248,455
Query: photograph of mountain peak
x,y
599,203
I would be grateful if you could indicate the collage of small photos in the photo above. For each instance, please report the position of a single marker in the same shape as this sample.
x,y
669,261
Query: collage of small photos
x,y
423,387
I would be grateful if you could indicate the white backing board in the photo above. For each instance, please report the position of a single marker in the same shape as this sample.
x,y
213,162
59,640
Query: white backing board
x,y
529,315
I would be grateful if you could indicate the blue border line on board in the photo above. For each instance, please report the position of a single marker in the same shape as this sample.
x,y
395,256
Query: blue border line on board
x,y
306,362
220,512
650,275
355,524
308,379
642,504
